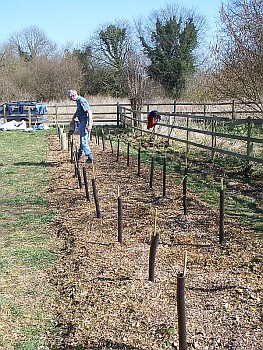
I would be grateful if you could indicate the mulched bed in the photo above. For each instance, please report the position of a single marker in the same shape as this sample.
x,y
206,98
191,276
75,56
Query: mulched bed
x,y
106,300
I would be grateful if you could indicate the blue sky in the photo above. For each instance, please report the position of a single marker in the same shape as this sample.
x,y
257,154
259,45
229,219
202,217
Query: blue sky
x,y
74,21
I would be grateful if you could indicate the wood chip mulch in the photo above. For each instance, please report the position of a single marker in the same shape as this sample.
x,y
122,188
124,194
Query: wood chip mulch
x,y
105,299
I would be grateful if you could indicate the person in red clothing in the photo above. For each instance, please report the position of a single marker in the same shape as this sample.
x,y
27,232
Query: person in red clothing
x,y
152,118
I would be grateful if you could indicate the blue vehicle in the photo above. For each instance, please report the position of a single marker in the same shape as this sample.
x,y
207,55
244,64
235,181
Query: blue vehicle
x,y
32,112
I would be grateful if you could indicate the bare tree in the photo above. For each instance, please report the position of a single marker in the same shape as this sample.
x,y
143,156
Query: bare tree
x,y
140,86
32,42
48,79
39,79
239,52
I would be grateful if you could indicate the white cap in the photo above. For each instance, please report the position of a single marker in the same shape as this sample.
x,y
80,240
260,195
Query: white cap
x,y
72,93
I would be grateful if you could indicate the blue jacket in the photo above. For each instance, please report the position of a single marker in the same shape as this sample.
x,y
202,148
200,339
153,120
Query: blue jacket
x,y
82,108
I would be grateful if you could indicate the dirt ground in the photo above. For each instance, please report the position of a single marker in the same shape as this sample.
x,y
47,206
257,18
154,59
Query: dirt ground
x,y
106,300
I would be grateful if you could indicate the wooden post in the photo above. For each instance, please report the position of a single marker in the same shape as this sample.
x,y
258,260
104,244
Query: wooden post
x,y
174,106
249,134
233,110
213,139
56,113
29,117
5,120
118,114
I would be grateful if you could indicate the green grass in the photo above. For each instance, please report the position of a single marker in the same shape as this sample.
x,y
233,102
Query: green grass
x,y
26,250
204,178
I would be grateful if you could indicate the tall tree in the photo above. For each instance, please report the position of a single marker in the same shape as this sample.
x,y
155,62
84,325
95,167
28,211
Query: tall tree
x,y
171,53
32,42
239,52
110,49
114,45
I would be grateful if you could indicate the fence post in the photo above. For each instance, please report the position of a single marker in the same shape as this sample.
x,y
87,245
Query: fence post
x,y
249,134
213,137
56,111
5,120
187,136
233,110
118,114
174,111
148,108
29,116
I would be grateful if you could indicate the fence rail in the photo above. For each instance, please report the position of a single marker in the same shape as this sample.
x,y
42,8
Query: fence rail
x,y
220,132
108,113
212,133
228,128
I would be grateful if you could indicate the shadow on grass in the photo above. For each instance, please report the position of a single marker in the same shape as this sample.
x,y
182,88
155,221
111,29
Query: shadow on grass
x,y
43,164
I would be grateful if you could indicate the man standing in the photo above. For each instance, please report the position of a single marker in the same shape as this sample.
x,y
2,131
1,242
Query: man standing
x,y
84,115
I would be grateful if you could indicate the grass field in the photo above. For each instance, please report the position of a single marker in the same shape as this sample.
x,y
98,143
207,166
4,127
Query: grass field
x,y
26,248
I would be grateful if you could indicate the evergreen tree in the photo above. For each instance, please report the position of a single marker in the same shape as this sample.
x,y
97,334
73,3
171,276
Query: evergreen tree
x,y
171,53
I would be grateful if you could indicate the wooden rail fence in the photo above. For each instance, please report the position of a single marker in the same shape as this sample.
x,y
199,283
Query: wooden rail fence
x,y
228,128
